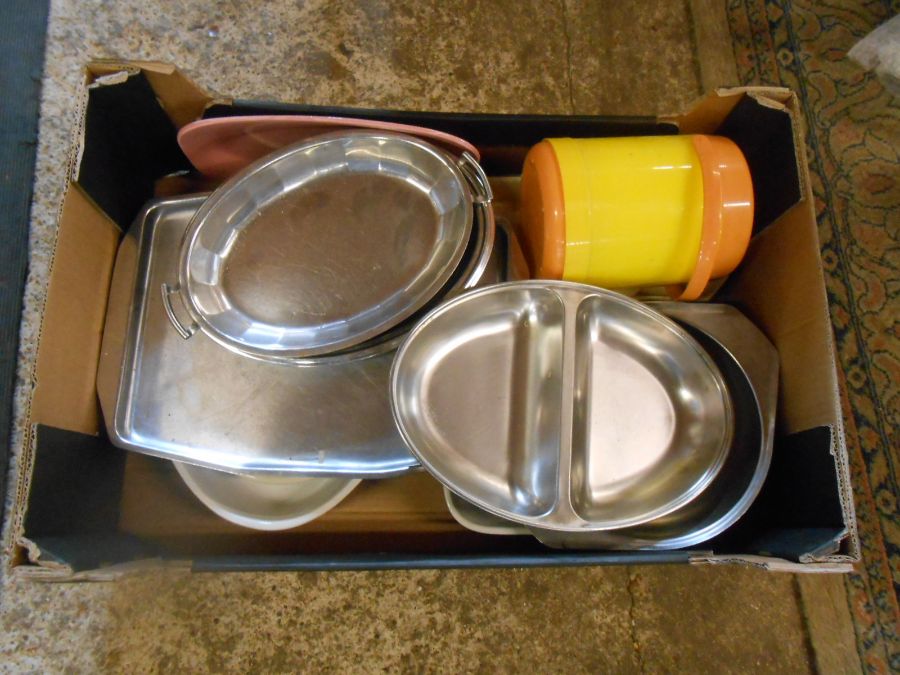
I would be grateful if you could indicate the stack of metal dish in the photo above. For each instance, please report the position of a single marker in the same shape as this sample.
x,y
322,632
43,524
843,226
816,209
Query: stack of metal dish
x,y
284,296
333,313
596,421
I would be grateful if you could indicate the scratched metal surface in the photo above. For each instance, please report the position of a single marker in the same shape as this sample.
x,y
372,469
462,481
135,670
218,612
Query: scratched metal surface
x,y
192,400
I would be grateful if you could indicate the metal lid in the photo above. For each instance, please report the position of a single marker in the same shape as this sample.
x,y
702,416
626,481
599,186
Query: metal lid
x,y
468,275
327,243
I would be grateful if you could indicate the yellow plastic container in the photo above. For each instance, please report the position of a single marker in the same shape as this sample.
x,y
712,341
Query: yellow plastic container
x,y
637,212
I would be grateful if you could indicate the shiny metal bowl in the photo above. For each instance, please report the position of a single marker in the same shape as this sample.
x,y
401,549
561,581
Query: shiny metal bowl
x,y
265,502
561,406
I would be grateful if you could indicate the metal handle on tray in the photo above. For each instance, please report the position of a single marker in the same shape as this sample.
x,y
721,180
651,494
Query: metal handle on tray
x,y
477,177
186,333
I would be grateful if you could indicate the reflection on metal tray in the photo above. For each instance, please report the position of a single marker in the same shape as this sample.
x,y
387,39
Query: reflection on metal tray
x,y
193,401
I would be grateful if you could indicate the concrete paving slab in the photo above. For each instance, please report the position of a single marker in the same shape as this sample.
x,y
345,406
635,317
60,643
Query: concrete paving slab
x,y
718,620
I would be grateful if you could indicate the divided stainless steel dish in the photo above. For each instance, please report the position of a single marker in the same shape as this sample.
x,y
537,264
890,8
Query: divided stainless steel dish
x,y
327,244
749,365
562,406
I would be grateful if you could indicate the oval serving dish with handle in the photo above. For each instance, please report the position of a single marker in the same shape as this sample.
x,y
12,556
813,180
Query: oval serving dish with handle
x,y
326,244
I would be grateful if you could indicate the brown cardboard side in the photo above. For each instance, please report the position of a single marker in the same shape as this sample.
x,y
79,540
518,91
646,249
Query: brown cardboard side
x,y
705,115
780,286
65,393
116,325
780,281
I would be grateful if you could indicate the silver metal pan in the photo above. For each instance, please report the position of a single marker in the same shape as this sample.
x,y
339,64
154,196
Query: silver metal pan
x,y
469,274
194,402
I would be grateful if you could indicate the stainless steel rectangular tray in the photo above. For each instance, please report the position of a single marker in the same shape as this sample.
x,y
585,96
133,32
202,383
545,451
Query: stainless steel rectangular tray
x,y
196,402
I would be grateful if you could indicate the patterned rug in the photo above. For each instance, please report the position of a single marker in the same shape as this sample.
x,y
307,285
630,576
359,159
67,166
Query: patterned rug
x,y
853,136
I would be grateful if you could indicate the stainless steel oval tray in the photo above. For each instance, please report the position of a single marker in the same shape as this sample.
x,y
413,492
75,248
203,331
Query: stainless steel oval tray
x,y
195,402
326,244
468,275
561,405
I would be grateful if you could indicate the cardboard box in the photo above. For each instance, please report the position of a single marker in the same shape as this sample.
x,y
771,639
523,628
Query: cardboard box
x,y
86,509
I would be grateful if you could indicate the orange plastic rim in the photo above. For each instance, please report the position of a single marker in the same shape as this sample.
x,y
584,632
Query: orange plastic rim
x,y
727,213
543,213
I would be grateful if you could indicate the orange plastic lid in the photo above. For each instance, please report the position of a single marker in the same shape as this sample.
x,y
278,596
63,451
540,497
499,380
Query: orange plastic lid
x,y
727,213
543,213
737,203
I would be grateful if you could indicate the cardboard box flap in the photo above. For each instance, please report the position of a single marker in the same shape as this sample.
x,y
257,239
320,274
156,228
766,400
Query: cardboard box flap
x,y
798,512
157,517
65,393
799,325
129,142
67,554
765,135
40,565
73,504
178,95
78,478
762,121
814,542
708,112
